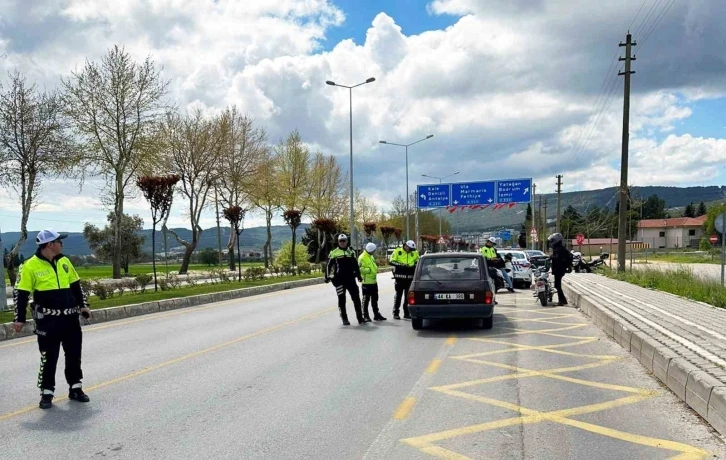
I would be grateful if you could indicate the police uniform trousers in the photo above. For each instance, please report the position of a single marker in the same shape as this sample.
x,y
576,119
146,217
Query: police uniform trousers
x,y
54,333
370,296
402,286
352,288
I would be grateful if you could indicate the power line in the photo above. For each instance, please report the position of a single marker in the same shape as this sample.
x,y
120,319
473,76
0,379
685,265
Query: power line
x,y
652,9
637,14
657,21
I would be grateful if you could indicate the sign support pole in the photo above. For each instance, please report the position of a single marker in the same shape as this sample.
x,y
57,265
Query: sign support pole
x,y
3,291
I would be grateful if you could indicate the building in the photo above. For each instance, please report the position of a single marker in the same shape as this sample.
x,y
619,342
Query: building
x,y
679,232
596,246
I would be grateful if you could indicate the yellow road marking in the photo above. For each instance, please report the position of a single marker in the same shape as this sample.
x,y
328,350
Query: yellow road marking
x,y
451,340
434,366
405,408
547,348
159,315
177,360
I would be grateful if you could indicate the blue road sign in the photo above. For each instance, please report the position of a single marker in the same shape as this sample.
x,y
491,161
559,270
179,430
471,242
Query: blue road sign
x,y
505,235
514,191
433,196
469,193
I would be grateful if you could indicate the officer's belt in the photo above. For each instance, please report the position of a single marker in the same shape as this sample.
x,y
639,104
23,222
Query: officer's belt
x,y
53,312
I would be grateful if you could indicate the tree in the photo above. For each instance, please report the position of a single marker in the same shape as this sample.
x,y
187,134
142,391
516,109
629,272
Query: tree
x,y
208,256
159,192
235,215
386,233
102,241
571,223
115,106
690,211
364,210
702,210
192,150
285,257
328,198
654,208
713,213
325,230
35,145
265,196
295,185
243,152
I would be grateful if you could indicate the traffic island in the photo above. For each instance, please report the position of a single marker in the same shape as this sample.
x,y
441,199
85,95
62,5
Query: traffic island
x,y
680,341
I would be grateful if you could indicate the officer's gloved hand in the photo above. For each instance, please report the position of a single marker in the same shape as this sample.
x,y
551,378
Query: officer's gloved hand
x,y
327,280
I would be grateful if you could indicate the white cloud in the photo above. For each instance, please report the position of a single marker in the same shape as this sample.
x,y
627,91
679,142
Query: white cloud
x,y
508,89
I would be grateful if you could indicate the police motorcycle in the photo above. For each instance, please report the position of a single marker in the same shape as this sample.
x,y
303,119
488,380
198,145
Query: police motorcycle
x,y
496,275
543,289
580,266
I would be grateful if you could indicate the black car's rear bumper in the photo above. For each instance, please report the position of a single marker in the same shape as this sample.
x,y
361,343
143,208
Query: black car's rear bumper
x,y
451,311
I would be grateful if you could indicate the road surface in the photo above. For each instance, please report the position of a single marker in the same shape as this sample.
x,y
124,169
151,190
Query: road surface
x,y
278,377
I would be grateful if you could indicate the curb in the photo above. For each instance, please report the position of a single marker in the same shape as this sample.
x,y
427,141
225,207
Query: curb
x,y
103,315
702,392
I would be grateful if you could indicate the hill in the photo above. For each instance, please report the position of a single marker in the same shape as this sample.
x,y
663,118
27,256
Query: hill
x,y
675,197
251,238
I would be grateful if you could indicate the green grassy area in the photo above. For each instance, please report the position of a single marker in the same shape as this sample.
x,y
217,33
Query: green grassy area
x,y
682,258
681,282
106,271
151,296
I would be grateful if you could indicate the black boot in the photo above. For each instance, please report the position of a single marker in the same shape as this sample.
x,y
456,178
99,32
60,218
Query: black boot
x,y
378,317
46,401
346,322
77,394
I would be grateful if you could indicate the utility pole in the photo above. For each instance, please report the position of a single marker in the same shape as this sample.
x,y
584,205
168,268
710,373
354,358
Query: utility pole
x,y
219,230
559,202
3,292
534,215
544,226
622,217
538,223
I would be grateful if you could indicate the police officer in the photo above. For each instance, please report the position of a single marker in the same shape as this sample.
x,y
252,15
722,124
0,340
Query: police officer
x,y
343,270
57,301
561,264
369,270
404,262
490,253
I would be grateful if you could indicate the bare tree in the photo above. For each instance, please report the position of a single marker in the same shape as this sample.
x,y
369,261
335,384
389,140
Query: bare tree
x,y
265,196
365,211
327,197
243,152
295,185
35,144
193,149
115,105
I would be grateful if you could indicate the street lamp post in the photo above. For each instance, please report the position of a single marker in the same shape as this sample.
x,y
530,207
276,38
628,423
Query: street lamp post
x,y
440,180
350,94
408,198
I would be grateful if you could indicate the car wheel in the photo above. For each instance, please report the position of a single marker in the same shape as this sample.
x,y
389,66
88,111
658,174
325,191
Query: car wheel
x,y
417,323
487,323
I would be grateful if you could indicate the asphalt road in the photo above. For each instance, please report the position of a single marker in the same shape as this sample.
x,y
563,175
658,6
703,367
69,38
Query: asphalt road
x,y
278,377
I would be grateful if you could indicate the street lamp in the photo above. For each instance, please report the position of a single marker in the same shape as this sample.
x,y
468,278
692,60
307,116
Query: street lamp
x,y
350,91
440,179
408,199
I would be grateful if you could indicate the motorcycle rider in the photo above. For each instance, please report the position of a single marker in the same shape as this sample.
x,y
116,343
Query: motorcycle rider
x,y
404,262
490,253
369,269
343,270
561,263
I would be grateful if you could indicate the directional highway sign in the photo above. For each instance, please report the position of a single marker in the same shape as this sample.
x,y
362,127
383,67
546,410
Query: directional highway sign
x,y
469,193
514,191
433,196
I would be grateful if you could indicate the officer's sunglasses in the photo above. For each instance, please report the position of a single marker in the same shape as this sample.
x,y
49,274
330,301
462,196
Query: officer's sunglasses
x,y
59,242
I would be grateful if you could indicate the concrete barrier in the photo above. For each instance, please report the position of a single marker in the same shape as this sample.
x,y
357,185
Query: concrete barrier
x,y
102,315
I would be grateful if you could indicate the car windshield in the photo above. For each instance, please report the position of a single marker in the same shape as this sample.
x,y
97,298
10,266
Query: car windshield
x,y
450,268
516,255
536,253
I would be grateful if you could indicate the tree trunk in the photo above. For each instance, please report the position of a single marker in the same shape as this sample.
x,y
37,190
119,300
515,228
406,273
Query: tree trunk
x,y
321,241
118,210
292,256
187,257
153,253
230,249
268,244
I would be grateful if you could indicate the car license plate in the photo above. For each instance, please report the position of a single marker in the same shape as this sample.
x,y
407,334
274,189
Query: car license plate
x,y
449,296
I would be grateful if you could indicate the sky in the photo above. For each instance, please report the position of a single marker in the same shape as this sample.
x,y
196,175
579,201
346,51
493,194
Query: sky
x,y
508,88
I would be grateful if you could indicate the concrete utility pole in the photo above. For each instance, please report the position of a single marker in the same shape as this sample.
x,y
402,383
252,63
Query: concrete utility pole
x,y
538,225
559,202
622,217
544,226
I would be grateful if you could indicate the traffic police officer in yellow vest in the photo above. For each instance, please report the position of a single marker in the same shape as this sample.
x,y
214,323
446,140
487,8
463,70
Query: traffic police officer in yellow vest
x,y
343,270
404,262
58,299
369,270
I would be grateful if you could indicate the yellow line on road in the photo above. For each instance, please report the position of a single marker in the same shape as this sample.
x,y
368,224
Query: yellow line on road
x,y
434,366
166,314
405,408
177,360
451,340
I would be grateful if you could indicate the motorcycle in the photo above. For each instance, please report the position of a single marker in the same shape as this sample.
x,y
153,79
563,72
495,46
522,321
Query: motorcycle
x,y
543,289
580,266
499,282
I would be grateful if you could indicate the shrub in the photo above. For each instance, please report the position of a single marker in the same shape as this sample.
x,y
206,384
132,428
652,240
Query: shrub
x,y
284,257
101,291
142,280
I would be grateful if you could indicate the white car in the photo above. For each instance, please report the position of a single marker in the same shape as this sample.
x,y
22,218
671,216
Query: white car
x,y
521,266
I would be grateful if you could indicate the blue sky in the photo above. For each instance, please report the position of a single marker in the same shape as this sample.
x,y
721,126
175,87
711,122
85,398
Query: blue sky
x,y
410,15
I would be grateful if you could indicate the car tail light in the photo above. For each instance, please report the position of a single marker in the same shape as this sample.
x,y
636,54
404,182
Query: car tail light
x,y
411,297
540,283
526,265
488,297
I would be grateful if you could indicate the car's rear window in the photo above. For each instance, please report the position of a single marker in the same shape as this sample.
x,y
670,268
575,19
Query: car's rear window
x,y
450,268
515,255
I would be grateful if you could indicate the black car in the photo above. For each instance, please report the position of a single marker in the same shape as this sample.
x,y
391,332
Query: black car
x,y
451,285
537,258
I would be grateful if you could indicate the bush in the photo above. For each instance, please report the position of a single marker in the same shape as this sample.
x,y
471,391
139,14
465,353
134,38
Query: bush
x,y
163,284
705,244
101,291
284,257
131,285
142,280
87,286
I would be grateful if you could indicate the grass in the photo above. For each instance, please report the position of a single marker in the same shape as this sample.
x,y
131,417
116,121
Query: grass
x,y
151,296
685,258
106,271
681,282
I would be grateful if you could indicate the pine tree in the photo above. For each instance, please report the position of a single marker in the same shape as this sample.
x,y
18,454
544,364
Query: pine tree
x,y
690,211
702,210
